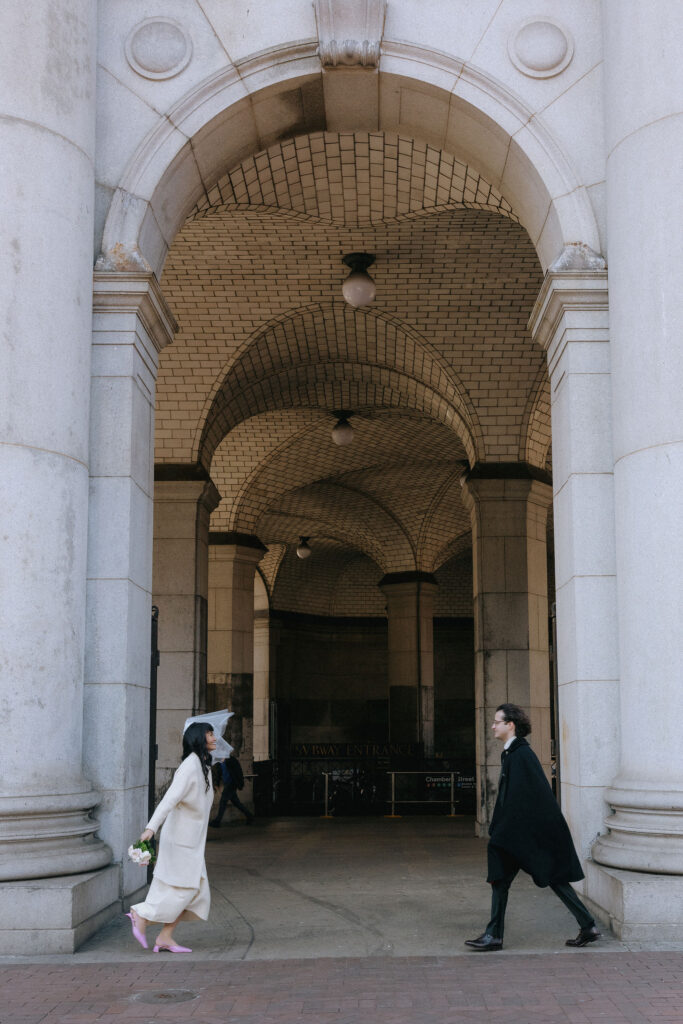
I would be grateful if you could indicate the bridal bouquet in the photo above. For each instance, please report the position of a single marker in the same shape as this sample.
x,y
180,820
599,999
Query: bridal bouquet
x,y
142,852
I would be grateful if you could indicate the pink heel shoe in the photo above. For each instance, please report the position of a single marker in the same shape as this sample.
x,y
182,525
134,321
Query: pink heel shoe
x,y
172,949
137,934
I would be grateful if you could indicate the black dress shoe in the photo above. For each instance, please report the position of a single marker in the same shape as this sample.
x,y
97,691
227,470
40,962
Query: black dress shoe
x,y
484,943
585,936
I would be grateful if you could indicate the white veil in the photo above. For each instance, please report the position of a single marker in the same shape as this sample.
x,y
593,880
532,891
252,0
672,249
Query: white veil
x,y
219,720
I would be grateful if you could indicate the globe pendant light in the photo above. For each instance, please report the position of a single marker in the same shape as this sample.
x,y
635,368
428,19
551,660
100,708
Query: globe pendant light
x,y
359,288
303,550
342,431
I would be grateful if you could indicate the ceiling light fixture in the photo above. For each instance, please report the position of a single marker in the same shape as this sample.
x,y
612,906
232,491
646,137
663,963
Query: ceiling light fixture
x,y
303,550
359,288
342,431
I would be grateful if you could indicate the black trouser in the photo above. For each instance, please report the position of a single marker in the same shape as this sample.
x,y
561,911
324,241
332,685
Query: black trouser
x,y
229,795
499,900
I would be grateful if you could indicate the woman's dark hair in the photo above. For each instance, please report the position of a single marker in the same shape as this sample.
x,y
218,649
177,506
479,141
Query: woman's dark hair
x,y
513,713
194,742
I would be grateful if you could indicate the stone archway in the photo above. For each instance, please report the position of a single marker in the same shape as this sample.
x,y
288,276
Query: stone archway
x,y
212,129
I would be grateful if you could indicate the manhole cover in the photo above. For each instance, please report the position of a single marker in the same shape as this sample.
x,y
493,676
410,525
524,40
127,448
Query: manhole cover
x,y
178,995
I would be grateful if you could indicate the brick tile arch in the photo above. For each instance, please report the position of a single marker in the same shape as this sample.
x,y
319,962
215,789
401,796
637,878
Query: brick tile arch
x,y
353,178
413,491
535,435
354,514
454,549
463,281
356,590
397,459
269,565
454,598
249,448
312,586
270,370
446,522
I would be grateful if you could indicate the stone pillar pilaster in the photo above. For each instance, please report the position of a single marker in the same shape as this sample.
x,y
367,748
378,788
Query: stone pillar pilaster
x,y
233,559
643,86
571,323
508,508
131,325
262,685
410,613
184,497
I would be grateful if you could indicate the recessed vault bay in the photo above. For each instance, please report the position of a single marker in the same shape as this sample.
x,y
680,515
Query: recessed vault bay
x,y
371,641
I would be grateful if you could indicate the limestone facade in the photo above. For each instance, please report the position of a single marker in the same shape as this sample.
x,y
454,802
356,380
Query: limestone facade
x,y
182,182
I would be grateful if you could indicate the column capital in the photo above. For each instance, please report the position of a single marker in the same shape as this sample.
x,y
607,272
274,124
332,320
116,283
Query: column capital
x,y
185,482
506,471
407,580
139,294
232,546
231,538
572,305
506,481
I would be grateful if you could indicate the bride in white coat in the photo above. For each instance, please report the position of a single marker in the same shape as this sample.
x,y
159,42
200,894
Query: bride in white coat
x,y
180,888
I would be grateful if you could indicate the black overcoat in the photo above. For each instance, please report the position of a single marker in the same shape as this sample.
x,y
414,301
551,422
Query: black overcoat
x,y
528,830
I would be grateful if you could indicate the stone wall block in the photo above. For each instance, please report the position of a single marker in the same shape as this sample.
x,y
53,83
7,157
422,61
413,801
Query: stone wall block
x,y
506,622
517,677
582,647
516,559
174,567
491,567
496,678
177,628
115,503
585,538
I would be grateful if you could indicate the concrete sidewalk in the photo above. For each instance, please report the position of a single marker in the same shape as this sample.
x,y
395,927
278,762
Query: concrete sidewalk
x,y
351,921
352,887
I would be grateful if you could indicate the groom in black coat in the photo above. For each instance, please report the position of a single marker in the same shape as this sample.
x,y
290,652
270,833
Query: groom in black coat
x,y
529,832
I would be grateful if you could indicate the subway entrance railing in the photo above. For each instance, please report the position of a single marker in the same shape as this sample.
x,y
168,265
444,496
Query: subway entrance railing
x,y
419,791
336,787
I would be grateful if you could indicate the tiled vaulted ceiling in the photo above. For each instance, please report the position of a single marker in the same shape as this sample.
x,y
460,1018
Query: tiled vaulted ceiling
x,y
439,372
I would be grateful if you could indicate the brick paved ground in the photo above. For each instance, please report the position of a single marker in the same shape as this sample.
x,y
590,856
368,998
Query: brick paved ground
x,y
352,922
576,987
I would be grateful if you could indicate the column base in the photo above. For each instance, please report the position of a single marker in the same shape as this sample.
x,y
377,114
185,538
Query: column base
x,y
639,907
57,915
645,831
50,835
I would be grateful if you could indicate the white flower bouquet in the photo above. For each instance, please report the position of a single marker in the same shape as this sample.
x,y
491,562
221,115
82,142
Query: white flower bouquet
x,y
142,853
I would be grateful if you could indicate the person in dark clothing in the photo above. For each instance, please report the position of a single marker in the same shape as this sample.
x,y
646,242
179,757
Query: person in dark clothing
x,y
233,779
528,831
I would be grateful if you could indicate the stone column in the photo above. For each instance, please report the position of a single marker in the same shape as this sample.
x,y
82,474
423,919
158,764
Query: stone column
x,y
131,325
643,86
233,558
47,140
184,498
508,506
410,613
570,321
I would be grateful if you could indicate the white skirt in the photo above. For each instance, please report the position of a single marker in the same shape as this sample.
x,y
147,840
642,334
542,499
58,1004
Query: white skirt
x,y
167,903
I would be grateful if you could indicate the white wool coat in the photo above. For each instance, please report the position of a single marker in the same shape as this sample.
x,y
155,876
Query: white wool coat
x,y
184,813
